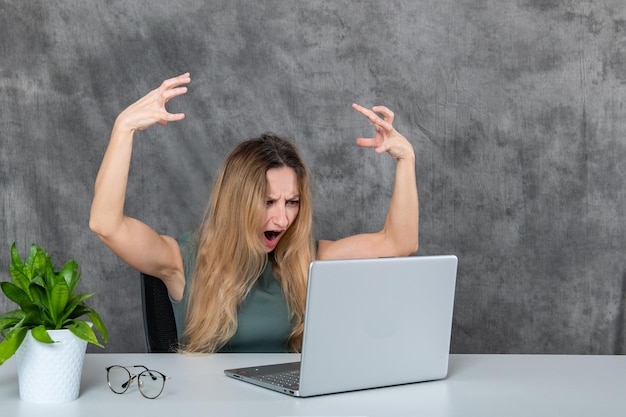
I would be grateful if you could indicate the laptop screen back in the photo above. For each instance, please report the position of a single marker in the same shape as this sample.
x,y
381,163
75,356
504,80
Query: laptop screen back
x,y
377,322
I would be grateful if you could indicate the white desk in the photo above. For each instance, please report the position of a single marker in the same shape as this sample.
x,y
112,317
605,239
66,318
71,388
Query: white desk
x,y
477,385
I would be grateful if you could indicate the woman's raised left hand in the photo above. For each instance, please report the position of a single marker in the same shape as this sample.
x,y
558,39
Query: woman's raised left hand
x,y
387,138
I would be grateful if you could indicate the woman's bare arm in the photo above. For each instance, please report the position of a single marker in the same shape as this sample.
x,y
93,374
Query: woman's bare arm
x,y
132,240
400,233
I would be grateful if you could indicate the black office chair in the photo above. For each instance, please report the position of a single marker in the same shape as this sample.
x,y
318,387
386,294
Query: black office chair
x,y
158,316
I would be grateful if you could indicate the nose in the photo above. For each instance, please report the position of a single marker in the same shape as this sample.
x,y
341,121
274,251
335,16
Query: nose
x,y
279,216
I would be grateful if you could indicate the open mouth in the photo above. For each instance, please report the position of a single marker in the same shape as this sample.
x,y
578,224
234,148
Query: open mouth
x,y
271,235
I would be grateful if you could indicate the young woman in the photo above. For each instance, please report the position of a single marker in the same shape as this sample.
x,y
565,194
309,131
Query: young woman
x,y
239,282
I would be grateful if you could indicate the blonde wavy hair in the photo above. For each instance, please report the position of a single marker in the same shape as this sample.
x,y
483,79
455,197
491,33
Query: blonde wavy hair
x,y
230,254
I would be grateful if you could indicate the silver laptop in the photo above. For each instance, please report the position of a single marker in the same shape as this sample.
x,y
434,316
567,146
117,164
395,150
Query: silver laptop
x,y
369,323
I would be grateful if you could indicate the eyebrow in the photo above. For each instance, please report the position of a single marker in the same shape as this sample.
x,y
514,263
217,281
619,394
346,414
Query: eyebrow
x,y
269,197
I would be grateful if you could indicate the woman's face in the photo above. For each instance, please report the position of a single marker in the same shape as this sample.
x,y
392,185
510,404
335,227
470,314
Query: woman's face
x,y
281,205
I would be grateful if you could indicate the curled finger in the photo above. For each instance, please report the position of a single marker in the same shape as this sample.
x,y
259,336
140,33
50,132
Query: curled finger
x,y
383,127
176,81
171,93
387,114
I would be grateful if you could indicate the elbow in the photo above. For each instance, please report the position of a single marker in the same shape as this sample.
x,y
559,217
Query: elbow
x,y
95,227
407,246
411,247
99,227
415,246
410,243
402,242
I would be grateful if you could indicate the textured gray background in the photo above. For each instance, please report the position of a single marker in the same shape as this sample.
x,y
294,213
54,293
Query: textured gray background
x,y
515,109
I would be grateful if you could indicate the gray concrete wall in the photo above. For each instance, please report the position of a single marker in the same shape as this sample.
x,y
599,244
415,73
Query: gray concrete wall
x,y
515,109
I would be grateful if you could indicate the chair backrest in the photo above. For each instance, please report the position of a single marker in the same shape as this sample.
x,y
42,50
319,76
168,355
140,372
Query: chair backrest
x,y
158,316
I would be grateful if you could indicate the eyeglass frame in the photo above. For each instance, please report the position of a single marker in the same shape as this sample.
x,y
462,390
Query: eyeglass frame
x,y
131,378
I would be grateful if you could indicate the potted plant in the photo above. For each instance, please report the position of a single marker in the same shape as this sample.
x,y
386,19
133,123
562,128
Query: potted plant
x,y
46,332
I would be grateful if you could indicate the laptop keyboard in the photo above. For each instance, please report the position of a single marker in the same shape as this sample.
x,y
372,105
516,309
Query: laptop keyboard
x,y
287,379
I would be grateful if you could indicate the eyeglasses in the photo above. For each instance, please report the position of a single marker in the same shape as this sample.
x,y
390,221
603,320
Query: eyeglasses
x,y
150,382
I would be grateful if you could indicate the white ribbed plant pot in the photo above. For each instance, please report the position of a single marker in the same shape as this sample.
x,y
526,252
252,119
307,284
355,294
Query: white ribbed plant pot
x,y
50,373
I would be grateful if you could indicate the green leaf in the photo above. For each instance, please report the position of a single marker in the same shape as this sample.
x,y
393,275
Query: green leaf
x,y
73,309
41,334
38,280
16,294
34,249
10,319
58,298
79,311
41,260
99,325
83,331
15,256
42,316
49,277
38,294
17,313
71,274
11,343
19,277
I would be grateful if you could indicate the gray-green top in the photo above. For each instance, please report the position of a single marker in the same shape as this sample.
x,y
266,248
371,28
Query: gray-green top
x,y
263,323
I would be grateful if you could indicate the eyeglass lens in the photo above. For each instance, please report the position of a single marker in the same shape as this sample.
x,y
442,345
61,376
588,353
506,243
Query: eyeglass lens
x,y
119,379
150,382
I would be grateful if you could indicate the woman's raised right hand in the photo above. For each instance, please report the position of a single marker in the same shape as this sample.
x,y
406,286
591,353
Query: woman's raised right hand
x,y
150,109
